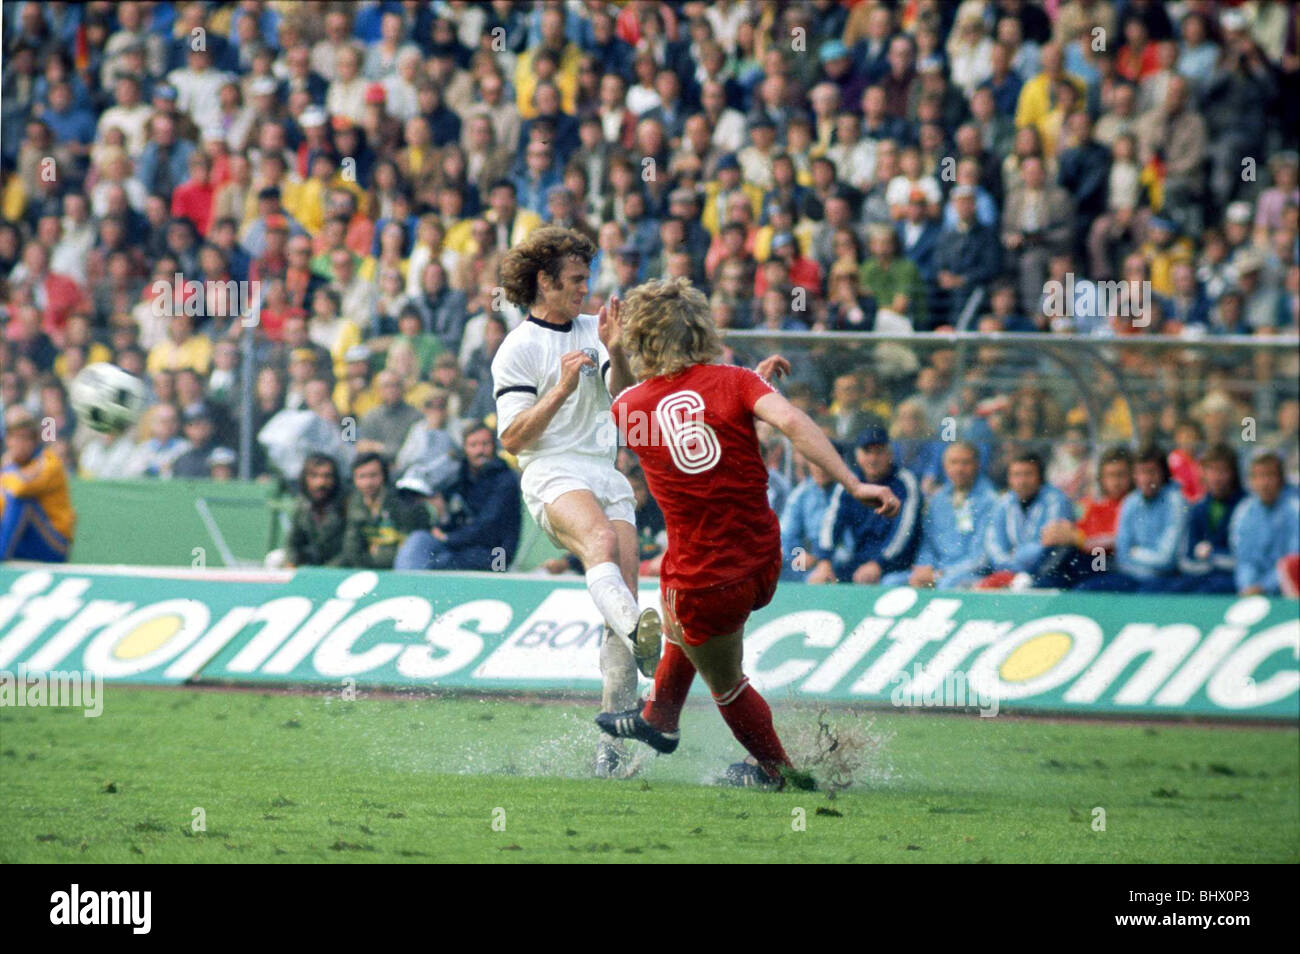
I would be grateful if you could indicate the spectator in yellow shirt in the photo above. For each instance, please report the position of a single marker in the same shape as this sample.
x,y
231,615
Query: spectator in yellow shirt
x,y
1163,249
36,515
330,329
355,395
1037,96
720,190
77,334
306,203
182,348
565,76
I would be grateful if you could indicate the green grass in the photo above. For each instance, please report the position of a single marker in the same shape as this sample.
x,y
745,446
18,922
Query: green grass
x,y
306,778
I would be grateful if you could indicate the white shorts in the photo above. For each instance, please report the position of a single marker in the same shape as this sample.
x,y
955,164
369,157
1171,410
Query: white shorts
x,y
546,479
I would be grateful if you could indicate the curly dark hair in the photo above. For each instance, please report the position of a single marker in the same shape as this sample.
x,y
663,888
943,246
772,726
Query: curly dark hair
x,y
545,250
321,460
1154,454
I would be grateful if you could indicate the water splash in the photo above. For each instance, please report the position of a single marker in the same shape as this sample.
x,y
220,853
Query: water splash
x,y
840,748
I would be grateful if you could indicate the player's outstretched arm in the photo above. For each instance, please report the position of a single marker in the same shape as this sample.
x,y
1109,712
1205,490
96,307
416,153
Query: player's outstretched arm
x,y
809,440
529,424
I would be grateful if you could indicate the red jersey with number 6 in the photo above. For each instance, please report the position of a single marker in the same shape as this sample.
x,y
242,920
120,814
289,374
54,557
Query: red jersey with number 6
x,y
694,434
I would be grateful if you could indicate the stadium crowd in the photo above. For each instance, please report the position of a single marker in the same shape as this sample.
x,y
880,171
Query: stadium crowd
x,y
819,166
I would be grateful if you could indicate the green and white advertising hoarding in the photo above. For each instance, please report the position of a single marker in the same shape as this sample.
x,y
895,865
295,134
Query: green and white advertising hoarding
x,y
1230,657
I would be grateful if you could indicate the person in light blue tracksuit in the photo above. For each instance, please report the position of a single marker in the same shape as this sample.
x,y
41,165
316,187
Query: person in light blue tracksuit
x,y
1152,532
1014,539
953,528
1265,527
801,521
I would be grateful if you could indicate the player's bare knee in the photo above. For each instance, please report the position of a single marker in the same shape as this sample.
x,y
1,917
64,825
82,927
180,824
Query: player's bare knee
x,y
724,686
720,680
601,545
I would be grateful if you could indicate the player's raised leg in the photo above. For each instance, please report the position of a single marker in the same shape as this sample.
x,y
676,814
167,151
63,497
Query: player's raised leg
x,y
607,549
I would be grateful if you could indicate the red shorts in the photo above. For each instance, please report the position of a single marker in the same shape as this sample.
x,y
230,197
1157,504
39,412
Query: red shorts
x,y
696,616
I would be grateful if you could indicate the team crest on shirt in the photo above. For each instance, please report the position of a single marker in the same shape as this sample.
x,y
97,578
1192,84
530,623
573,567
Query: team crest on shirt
x,y
589,369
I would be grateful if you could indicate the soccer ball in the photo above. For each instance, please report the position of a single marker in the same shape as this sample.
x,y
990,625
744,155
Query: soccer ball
x,y
106,397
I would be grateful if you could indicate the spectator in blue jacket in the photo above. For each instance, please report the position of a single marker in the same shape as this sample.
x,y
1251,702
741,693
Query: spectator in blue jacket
x,y
966,258
918,234
1207,563
1265,527
1188,306
916,449
164,164
858,545
539,174
801,521
1152,531
953,528
597,37
479,529
70,121
1014,539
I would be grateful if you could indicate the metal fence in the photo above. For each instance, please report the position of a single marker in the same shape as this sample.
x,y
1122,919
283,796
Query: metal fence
x,y
1126,389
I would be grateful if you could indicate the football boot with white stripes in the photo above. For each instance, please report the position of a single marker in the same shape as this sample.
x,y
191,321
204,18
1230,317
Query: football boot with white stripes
x,y
630,725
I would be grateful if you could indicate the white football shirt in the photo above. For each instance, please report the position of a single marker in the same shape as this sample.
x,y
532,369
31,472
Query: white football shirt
x,y
527,366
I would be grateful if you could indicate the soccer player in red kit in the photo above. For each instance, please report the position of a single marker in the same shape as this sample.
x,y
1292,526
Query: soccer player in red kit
x,y
691,423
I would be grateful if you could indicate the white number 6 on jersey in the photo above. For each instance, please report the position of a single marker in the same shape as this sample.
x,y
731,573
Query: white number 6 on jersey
x,y
692,443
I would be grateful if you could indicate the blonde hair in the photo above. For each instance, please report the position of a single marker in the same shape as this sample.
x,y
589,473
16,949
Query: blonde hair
x,y
667,327
18,418
912,406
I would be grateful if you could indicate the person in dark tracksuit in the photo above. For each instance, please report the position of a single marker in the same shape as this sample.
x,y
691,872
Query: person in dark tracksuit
x,y
1208,564
858,545
480,526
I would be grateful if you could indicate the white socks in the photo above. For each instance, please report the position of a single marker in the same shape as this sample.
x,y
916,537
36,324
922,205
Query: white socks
x,y
619,607
617,674
612,597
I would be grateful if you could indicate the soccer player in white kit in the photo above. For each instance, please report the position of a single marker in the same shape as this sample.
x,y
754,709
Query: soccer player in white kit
x,y
553,378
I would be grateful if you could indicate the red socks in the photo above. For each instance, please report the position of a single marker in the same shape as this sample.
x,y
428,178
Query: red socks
x,y
672,682
750,720
743,709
